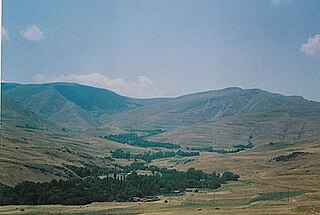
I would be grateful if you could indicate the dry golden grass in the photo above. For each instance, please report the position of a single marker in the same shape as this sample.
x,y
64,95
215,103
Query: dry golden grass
x,y
258,175
37,155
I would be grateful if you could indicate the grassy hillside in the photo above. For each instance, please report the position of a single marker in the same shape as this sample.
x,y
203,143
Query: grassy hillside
x,y
71,106
215,105
227,117
230,131
40,155
266,187
283,163
219,118
16,115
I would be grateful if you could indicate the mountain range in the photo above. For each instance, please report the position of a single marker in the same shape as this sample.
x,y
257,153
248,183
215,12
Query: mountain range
x,y
213,118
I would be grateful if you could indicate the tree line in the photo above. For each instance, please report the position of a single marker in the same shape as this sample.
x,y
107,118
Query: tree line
x,y
111,188
149,156
140,141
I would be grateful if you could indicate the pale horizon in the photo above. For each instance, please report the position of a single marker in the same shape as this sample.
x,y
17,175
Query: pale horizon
x,y
165,49
173,96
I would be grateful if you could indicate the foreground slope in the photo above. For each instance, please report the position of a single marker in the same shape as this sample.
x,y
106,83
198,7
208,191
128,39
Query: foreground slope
x,y
266,186
31,154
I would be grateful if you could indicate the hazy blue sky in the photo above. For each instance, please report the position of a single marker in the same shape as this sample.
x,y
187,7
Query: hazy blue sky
x,y
164,47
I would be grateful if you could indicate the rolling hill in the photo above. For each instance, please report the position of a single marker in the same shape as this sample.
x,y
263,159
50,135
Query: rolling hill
x,y
15,114
71,106
215,105
219,118
227,117
34,147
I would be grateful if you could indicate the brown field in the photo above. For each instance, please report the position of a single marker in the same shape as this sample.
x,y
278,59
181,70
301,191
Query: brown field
x,y
291,187
36,155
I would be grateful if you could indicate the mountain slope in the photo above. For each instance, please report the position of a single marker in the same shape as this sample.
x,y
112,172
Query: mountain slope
x,y
13,114
214,105
72,106
213,118
227,117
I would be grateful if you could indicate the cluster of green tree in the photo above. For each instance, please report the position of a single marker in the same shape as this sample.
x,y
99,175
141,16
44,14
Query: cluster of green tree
x,y
140,141
201,149
244,146
138,166
289,157
148,156
94,171
88,171
73,191
123,188
211,149
147,133
227,151
249,145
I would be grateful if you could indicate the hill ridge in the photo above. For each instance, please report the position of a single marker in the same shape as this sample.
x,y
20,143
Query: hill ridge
x,y
225,114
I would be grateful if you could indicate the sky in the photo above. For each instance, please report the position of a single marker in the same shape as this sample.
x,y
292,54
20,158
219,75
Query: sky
x,y
156,48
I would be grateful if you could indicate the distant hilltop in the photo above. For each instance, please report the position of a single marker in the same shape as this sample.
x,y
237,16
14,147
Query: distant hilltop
x,y
226,115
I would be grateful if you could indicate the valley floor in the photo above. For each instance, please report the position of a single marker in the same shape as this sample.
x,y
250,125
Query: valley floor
x,y
266,187
229,200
